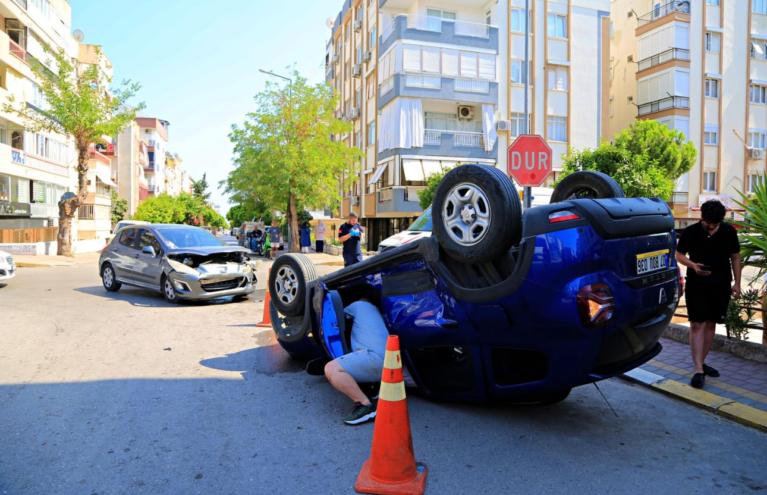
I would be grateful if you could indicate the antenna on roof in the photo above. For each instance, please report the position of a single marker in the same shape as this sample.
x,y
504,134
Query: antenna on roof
x,y
329,22
78,35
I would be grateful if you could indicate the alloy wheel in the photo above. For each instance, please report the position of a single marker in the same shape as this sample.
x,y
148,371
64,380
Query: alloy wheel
x,y
466,214
286,284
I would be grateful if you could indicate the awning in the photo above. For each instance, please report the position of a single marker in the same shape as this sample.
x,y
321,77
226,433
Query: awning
x,y
104,177
413,170
431,167
378,174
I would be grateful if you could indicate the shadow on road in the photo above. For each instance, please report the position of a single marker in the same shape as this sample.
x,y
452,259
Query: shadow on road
x,y
146,298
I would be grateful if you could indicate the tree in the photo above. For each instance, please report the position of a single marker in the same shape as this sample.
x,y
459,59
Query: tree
x,y
78,106
183,209
426,195
119,208
284,154
645,159
200,187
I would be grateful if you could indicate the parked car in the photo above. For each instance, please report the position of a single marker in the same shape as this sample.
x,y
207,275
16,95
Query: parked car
x,y
180,261
7,267
498,304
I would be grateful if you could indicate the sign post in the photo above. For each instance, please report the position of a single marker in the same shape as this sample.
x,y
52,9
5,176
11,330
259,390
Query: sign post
x,y
529,162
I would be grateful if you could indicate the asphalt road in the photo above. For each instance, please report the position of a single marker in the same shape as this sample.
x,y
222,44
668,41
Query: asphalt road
x,y
122,393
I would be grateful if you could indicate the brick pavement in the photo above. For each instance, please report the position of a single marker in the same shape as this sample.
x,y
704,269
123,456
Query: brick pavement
x,y
741,380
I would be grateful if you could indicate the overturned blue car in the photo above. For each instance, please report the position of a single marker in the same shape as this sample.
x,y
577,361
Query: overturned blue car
x,y
497,304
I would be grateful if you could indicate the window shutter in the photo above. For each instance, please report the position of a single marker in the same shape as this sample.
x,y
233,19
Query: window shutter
x,y
468,65
449,62
487,66
431,60
411,59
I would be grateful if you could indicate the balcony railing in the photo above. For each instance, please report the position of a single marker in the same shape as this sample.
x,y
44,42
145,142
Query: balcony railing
x,y
436,24
663,57
17,50
85,212
667,103
21,3
463,139
472,86
432,137
681,6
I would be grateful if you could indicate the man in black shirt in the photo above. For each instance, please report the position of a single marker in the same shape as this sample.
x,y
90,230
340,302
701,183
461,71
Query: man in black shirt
x,y
714,257
349,234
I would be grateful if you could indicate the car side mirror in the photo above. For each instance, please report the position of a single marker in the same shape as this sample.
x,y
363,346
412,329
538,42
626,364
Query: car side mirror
x,y
149,250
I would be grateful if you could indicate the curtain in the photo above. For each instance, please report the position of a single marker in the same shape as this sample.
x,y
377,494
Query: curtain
x,y
488,127
401,125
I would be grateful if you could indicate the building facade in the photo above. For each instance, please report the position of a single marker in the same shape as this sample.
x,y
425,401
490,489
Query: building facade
x,y
432,85
154,132
130,161
699,67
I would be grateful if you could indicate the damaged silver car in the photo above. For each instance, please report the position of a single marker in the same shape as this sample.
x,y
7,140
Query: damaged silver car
x,y
180,261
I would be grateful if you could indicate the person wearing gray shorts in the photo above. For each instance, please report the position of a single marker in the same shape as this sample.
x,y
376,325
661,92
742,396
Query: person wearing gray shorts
x,y
364,364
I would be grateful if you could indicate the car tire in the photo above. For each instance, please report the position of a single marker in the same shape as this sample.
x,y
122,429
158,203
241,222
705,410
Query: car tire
x,y
109,278
303,348
288,278
586,184
477,213
168,292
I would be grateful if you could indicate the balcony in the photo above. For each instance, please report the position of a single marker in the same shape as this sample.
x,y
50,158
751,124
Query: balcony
x,y
433,137
398,200
460,145
418,85
433,30
680,54
17,50
668,103
660,11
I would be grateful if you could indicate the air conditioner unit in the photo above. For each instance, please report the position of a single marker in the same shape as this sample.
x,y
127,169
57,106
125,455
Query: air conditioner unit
x,y
356,70
358,24
465,112
756,153
503,125
368,56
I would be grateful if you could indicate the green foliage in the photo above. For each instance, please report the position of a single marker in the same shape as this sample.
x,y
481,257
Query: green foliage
x,y
284,155
753,232
183,209
119,208
200,188
645,159
426,195
741,313
248,211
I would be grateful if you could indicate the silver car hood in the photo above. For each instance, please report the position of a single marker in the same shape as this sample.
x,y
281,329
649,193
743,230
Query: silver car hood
x,y
208,250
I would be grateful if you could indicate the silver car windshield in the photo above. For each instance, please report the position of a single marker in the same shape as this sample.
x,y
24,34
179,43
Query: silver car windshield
x,y
187,238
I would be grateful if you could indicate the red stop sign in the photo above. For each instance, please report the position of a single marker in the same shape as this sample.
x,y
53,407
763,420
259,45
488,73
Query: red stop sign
x,y
529,160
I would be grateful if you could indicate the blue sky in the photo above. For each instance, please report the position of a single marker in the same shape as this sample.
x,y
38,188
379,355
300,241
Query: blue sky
x,y
198,61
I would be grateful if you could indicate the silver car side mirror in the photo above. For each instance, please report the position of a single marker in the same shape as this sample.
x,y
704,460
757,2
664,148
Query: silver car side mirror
x,y
149,250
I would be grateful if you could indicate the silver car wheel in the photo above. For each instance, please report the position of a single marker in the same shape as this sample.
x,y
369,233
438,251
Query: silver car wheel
x,y
108,277
286,284
466,214
170,292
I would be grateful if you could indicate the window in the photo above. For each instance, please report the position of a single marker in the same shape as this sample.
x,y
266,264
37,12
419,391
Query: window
x,y
434,18
146,238
39,192
556,128
712,88
753,181
372,133
711,135
759,50
449,122
713,42
518,124
372,39
756,139
557,78
759,6
556,26
518,20
758,94
518,72
712,2
709,181
5,187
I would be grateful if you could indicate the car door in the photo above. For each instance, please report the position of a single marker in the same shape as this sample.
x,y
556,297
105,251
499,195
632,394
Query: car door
x,y
123,254
148,268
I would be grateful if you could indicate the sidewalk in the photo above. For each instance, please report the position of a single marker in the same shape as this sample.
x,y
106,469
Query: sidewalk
x,y
29,261
740,393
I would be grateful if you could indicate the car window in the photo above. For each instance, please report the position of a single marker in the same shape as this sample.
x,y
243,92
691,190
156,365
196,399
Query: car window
x,y
128,238
422,223
187,237
146,238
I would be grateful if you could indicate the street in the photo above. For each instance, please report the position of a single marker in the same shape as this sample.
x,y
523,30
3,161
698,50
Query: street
x,y
123,393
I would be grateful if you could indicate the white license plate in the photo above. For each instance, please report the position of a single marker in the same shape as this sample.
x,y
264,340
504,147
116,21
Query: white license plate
x,y
650,262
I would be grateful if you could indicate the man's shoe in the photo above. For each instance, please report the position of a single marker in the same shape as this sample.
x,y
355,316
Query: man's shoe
x,y
698,379
709,371
361,414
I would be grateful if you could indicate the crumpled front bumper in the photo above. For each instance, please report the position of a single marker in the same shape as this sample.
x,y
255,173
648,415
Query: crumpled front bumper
x,y
211,285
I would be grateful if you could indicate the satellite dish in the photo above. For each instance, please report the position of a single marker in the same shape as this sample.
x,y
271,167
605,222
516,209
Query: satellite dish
x,y
329,22
78,35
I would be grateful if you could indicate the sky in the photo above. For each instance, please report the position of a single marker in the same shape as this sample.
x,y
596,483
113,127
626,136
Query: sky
x,y
198,62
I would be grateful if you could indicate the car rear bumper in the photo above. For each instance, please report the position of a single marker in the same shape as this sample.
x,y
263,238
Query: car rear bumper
x,y
7,273
190,287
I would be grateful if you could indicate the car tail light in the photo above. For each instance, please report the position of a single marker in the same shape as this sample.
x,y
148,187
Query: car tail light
x,y
596,304
563,216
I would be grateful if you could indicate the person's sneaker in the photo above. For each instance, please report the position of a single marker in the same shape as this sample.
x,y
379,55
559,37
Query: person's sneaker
x,y
361,414
709,371
698,379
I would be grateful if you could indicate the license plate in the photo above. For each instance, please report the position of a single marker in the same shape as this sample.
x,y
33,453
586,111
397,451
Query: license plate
x,y
650,262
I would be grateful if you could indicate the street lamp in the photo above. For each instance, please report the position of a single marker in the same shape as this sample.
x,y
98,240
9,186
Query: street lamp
x,y
270,73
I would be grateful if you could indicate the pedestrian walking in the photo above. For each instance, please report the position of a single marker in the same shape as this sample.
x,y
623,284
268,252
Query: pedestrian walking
x,y
350,235
305,237
275,238
711,252
319,237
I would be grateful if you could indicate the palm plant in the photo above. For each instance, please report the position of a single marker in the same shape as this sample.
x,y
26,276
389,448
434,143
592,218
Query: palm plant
x,y
753,238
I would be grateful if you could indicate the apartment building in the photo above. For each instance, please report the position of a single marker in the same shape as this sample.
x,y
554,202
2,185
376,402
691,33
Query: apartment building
x,y
699,67
432,85
177,180
154,132
130,160
36,168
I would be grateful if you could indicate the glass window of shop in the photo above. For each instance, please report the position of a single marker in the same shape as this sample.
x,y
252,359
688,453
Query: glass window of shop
x,y
5,188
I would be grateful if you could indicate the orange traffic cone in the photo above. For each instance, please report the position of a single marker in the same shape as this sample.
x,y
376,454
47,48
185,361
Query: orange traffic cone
x,y
266,319
391,469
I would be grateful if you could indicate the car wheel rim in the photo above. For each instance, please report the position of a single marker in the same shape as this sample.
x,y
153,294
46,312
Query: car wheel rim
x,y
286,284
108,277
169,292
466,214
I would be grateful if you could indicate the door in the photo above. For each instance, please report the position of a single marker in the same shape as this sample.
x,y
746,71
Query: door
x,y
123,254
148,268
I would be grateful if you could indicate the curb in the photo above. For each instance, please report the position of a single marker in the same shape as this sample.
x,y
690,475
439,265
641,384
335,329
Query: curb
x,y
721,406
32,264
747,350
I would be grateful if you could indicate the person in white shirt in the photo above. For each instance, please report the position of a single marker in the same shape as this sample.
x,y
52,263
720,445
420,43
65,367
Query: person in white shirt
x,y
319,237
